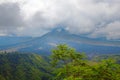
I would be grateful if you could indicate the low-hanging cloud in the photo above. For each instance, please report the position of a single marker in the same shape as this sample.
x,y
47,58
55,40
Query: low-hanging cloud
x,y
94,18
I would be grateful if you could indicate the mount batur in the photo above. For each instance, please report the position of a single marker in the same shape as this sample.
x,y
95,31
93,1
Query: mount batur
x,y
44,44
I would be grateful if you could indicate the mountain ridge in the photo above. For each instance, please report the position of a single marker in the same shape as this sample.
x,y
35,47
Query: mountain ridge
x,y
45,43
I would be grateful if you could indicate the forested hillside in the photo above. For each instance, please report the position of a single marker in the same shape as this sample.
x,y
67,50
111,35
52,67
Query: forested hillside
x,y
23,66
64,63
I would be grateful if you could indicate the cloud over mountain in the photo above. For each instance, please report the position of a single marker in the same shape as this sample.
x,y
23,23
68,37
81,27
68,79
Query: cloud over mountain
x,y
95,18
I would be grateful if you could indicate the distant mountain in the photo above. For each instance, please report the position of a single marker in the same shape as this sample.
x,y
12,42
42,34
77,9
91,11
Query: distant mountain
x,y
10,40
23,66
45,43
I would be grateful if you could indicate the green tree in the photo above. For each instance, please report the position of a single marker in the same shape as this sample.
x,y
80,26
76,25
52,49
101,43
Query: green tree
x,y
107,70
66,58
72,65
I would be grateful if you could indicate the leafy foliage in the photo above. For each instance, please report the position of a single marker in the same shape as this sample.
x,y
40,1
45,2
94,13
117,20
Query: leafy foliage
x,y
75,67
67,64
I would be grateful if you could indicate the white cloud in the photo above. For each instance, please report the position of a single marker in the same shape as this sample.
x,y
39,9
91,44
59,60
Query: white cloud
x,y
110,31
10,18
93,17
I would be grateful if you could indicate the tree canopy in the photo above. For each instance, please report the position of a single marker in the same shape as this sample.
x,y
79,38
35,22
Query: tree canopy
x,y
72,65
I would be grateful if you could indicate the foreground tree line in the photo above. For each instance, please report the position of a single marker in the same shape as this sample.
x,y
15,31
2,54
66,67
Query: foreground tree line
x,y
71,65
65,63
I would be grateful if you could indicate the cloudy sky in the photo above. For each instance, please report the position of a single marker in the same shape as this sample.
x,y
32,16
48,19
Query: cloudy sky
x,y
94,18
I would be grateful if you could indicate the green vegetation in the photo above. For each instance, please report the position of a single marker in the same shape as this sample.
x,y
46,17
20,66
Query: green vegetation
x,y
110,56
17,66
71,65
65,63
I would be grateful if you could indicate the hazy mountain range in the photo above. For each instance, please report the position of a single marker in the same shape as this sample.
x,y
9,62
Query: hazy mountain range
x,y
45,43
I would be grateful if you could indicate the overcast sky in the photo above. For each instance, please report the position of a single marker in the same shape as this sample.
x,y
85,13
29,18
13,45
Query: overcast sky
x,y
95,18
